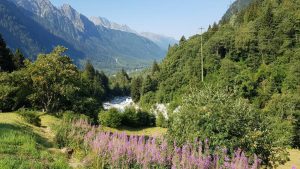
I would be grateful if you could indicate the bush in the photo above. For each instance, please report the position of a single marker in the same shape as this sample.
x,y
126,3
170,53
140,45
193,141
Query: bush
x,y
231,122
145,119
130,117
30,117
137,118
147,100
287,107
161,121
110,118
69,133
87,106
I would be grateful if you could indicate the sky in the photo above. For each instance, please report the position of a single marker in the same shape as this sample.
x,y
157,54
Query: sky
x,y
172,18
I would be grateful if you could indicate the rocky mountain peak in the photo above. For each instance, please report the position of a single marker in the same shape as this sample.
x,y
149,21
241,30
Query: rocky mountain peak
x,y
101,21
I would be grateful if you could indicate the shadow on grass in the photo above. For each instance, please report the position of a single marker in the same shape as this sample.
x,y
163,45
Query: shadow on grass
x,y
26,130
133,129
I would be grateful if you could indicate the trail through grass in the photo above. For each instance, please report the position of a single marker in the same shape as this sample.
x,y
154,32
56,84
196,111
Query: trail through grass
x,y
29,147
25,146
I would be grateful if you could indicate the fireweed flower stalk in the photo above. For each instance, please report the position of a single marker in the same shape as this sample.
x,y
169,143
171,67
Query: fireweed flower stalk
x,y
122,151
118,150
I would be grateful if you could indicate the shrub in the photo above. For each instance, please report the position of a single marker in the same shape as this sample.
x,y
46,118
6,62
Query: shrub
x,y
147,100
87,106
161,121
110,118
145,118
30,117
68,133
62,131
130,117
287,107
137,118
230,122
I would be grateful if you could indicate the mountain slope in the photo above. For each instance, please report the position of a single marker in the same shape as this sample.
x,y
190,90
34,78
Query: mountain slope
x,y
256,55
161,41
107,49
101,21
20,31
236,7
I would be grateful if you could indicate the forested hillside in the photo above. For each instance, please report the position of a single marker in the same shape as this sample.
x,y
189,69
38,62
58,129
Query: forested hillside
x,y
255,54
251,71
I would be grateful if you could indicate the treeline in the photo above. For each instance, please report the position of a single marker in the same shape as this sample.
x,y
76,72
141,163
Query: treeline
x,y
52,83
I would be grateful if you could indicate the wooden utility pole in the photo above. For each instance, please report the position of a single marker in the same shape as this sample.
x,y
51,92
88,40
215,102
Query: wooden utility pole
x,y
202,73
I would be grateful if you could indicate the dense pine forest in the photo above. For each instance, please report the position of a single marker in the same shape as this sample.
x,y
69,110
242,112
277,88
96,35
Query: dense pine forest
x,y
232,96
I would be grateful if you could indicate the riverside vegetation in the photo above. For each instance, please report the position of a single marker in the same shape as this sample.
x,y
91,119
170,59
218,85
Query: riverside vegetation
x,y
248,104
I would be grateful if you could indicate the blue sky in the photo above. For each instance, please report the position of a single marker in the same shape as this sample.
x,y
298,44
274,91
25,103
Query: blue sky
x,y
168,17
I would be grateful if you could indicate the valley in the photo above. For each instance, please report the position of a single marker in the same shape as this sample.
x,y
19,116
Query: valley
x,y
80,91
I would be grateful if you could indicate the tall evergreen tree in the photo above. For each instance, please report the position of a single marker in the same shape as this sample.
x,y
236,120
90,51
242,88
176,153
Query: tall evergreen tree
x,y
6,58
148,85
155,67
136,87
89,71
18,59
182,40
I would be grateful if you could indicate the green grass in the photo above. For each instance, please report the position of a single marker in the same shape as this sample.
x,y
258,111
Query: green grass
x,y
26,146
294,160
148,131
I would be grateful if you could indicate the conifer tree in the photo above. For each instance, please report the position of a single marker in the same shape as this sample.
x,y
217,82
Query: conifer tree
x,y
89,71
6,61
155,67
136,87
18,59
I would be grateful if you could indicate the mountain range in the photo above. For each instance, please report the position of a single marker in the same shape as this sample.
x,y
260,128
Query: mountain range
x,y
36,26
161,40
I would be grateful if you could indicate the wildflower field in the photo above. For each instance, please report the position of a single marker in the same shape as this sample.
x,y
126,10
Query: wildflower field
x,y
119,150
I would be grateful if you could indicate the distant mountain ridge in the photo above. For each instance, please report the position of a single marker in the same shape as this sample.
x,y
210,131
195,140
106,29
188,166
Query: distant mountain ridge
x,y
108,49
161,40
101,21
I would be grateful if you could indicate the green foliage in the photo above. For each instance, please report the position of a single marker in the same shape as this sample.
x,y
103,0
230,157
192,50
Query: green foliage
x,y
182,40
20,147
6,58
53,83
286,107
232,122
148,100
63,137
54,80
136,89
137,118
111,118
121,84
161,121
131,117
14,90
254,52
89,71
18,60
30,117
155,68
149,85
